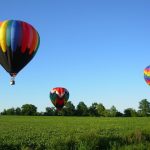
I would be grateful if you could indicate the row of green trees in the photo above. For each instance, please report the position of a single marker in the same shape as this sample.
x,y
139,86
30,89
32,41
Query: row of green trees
x,y
96,109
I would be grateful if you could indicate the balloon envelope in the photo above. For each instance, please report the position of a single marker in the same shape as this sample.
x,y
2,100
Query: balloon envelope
x,y
59,97
19,42
147,75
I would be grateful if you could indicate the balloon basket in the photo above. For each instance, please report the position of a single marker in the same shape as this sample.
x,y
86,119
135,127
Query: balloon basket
x,y
12,81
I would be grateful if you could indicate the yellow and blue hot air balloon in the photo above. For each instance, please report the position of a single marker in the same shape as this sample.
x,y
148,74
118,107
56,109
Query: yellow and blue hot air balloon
x,y
19,42
147,74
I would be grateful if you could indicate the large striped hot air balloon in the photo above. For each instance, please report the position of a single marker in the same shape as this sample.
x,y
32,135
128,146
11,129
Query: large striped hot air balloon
x,y
59,97
19,42
147,75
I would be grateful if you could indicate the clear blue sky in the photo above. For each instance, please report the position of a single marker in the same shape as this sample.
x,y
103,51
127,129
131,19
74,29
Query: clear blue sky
x,y
97,49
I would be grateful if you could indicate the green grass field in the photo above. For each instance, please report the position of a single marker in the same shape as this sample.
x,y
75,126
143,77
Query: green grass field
x,y
73,133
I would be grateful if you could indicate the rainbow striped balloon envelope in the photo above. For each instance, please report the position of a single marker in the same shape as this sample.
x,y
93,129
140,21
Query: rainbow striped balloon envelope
x,y
19,42
147,74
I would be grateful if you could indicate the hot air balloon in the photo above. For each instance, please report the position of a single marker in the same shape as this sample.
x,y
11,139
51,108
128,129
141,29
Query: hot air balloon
x,y
147,74
19,42
59,97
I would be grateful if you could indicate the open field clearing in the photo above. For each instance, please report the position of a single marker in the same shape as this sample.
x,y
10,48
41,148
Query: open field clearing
x,y
73,133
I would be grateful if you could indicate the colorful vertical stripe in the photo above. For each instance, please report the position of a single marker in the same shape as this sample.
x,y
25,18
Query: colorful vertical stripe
x,y
16,34
147,75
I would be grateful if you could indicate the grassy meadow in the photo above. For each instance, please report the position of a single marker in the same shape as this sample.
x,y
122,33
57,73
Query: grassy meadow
x,y
73,133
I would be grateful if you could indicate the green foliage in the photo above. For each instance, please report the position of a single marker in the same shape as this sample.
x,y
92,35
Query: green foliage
x,y
100,109
95,110
113,111
18,111
69,109
130,112
50,111
82,109
144,107
10,111
29,110
73,133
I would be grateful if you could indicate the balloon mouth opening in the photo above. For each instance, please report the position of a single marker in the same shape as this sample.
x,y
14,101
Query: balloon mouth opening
x,y
13,74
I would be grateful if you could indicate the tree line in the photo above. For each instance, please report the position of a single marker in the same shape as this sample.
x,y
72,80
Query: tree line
x,y
96,109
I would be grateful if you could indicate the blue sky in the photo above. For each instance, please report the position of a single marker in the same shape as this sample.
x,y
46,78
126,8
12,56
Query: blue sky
x,y
97,49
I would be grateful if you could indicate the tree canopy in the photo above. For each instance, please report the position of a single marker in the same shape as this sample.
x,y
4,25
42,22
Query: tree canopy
x,y
95,110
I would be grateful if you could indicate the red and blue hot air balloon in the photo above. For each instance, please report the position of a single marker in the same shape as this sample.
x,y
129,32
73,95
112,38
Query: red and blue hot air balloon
x,y
19,42
59,97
